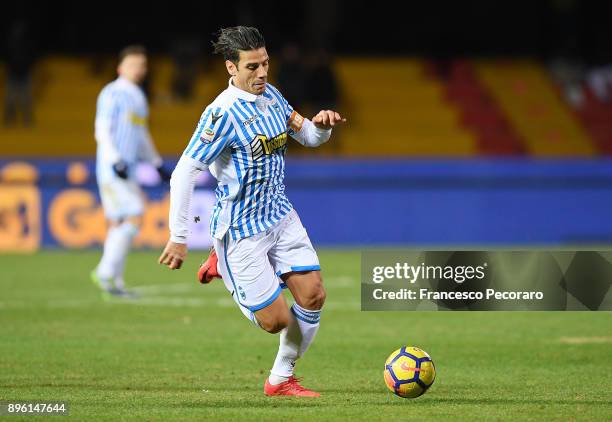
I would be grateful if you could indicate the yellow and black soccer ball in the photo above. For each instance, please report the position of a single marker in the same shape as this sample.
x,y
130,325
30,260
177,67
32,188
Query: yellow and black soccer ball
x,y
409,372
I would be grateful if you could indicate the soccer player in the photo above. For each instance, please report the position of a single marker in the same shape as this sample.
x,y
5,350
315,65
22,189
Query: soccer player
x,y
123,140
258,238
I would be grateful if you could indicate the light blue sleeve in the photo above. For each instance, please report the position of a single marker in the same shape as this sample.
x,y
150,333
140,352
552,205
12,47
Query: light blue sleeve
x,y
214,132
108,106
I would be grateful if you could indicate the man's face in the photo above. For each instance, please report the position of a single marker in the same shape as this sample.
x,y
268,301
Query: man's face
x,y
251,72
133,67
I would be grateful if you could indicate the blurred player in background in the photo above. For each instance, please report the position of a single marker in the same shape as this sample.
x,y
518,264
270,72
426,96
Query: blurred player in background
x,y
123,140
258,237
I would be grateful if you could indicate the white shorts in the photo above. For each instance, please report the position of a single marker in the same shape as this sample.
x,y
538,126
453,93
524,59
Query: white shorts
x,y
251,267
121,199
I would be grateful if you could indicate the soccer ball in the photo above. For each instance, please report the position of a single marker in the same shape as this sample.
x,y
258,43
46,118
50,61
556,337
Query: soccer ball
x,y
409,372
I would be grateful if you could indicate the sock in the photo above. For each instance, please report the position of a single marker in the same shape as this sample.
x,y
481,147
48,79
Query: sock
x,y
288,353
106,268
277,379
294,341
119,281
120,269
309,325
116,248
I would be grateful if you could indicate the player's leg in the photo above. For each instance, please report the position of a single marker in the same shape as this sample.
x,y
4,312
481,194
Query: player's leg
x,y
296,262
249,277
303,325
116,247
309,294
275,317
102,275
299,334
123,206
129,229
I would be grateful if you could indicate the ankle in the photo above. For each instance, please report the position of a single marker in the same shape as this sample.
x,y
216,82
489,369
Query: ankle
x,y
277,379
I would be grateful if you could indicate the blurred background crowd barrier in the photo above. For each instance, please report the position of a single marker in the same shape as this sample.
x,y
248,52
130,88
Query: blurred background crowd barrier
x,y
468,124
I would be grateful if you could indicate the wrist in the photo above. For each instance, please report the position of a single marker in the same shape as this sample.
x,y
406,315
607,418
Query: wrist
x,y
178,238
322,130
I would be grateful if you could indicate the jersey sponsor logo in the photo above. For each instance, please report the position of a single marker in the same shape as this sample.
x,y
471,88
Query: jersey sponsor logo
x,y
296,121
250,120
261,145
214,118
137,120
278,142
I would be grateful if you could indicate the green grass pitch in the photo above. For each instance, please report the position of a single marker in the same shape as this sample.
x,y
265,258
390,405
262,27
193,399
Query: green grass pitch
x,y
185,352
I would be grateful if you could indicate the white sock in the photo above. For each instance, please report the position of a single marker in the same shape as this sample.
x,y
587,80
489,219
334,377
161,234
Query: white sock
x,y
119,281
288,353
106,268
309,325
276,379
116,248
294,341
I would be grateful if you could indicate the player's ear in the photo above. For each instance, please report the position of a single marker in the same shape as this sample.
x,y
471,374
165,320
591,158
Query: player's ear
x,y
231,67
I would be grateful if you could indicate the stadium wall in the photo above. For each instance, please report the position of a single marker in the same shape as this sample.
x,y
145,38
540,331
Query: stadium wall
x,y
54,203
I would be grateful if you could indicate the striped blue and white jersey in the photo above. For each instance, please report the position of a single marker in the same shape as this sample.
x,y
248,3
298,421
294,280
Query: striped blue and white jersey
x,y
121,125
242,138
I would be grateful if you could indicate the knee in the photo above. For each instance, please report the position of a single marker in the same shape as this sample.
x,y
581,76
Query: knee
x,y
135,221
315,300
275,325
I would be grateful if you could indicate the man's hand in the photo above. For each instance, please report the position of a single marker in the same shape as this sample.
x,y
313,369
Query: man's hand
x,y
121,169
326,119
173,255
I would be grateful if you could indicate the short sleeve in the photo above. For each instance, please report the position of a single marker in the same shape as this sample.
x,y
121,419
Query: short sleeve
x,y
214,132
108,106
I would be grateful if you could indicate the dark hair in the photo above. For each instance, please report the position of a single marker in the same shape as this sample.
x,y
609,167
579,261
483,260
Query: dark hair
x,y
132,50
232,40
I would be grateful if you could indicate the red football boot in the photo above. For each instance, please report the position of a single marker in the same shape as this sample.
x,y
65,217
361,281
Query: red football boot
x,y
291,387
208,270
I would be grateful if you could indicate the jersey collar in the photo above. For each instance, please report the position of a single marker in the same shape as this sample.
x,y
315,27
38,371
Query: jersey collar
x,y
239,93
129,84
